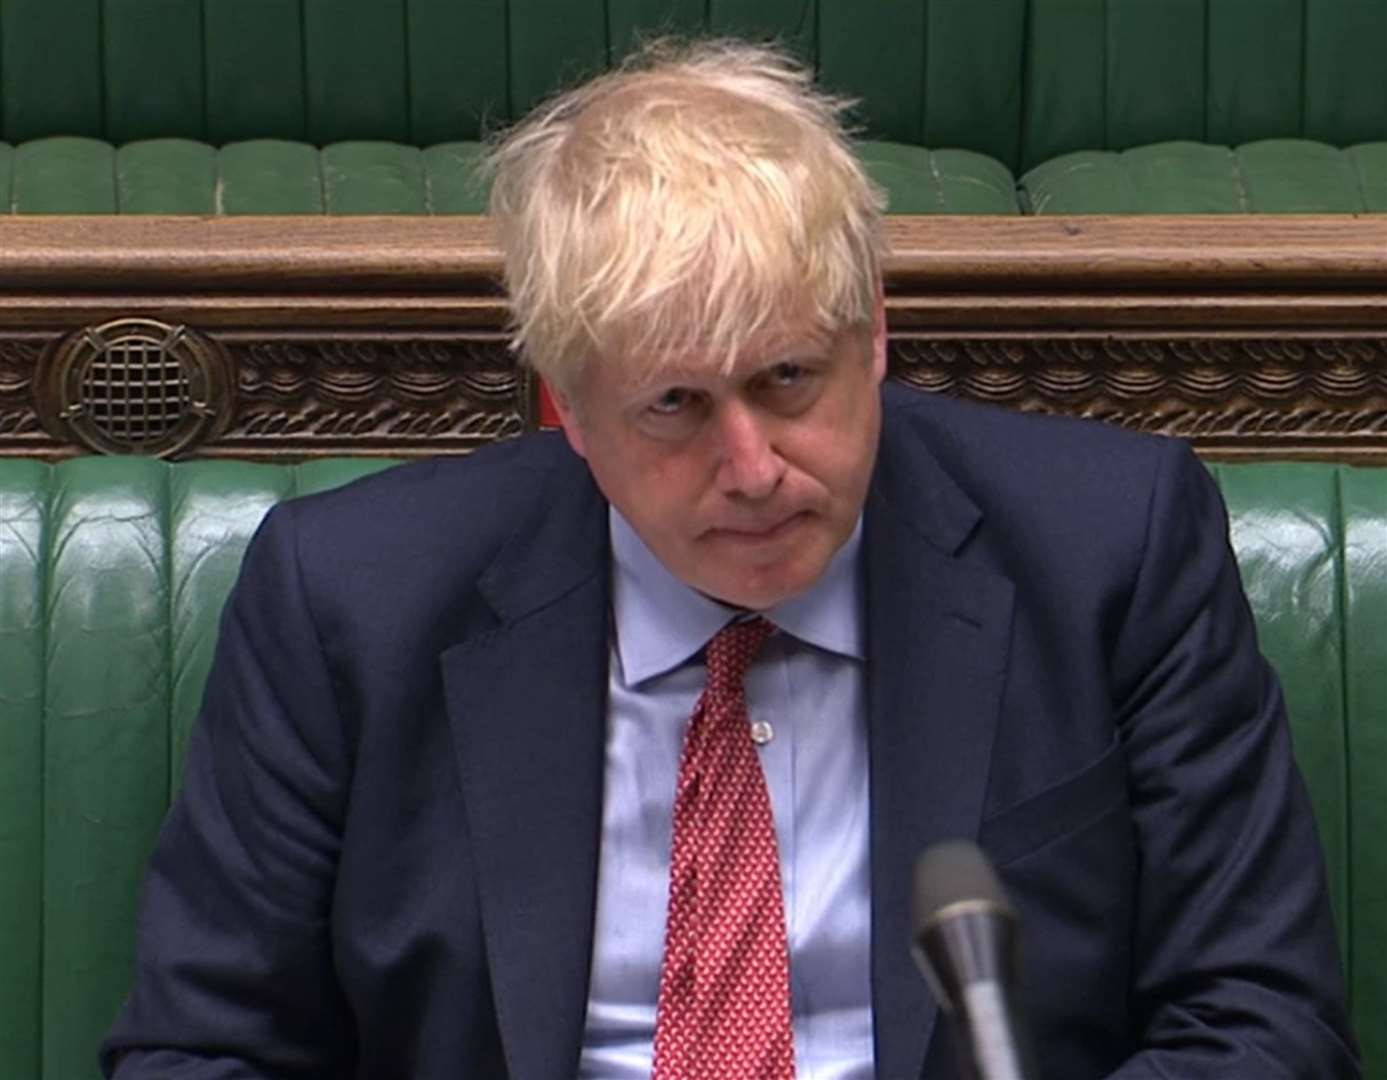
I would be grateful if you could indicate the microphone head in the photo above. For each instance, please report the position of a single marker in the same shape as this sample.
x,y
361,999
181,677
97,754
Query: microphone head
x,y
955,873
966,944
964,928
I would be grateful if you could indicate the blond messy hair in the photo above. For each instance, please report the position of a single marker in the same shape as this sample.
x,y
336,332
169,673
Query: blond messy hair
x,y
698,196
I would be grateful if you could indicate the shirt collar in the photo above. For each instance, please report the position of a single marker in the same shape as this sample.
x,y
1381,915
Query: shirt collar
x,y
661,622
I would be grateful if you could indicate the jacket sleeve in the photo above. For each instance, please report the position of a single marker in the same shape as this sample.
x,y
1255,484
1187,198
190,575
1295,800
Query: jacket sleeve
x,y
1237,971
233,973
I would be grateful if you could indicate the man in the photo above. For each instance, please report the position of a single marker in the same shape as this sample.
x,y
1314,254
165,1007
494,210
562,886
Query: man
x,y
612,752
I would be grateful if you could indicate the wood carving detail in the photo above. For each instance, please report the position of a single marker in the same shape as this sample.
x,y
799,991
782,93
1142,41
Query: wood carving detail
x,y
418,393
447,393
18,362
1310,388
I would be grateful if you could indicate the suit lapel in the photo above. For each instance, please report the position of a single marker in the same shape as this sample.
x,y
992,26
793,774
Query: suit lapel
x,y
938,631
527,705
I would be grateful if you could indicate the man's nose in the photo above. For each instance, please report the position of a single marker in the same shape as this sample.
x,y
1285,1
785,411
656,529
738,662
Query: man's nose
x,y
749,464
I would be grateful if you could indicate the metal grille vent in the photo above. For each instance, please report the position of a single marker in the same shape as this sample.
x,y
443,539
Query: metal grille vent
x,y
133,390
139,386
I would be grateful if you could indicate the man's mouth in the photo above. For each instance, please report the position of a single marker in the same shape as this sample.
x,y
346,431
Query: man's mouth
x,y
757,531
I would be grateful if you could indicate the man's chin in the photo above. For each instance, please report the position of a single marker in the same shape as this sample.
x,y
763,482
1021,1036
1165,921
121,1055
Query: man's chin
x,y
761,589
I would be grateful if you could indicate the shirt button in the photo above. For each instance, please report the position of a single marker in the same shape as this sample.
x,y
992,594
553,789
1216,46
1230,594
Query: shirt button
x,y
762,733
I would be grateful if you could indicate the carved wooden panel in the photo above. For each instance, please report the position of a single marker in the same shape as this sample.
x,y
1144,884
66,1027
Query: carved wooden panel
x,y
406,394
397,395
1248,335
20,429
1297,394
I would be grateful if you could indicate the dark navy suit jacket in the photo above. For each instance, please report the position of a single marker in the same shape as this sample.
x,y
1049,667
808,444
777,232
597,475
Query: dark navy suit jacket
x,y
383,859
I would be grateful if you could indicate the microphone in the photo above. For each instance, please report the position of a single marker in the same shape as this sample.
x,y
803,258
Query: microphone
x,y
965,942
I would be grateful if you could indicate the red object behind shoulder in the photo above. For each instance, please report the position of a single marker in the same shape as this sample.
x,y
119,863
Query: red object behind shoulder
x,y
548,415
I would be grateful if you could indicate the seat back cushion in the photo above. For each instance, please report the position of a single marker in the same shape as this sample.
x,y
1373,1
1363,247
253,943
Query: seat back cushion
x,y
1021,81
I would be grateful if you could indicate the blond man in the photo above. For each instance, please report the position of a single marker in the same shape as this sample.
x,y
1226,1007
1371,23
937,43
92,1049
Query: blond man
x,y
608,753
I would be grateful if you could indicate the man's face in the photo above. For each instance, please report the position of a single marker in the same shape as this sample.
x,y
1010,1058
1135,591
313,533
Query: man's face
x,y
743,484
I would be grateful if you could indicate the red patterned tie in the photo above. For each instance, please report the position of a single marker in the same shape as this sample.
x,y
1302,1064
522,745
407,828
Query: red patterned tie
x,y
724,1008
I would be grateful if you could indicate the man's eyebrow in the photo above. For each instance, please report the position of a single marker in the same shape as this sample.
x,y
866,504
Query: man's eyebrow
x,y
801,355
692,377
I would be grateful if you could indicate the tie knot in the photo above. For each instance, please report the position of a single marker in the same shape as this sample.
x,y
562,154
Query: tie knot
x,y
731,651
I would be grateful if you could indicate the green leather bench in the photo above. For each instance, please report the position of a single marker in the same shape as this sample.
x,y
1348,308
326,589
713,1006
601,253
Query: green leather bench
x,y
112,574
1005,107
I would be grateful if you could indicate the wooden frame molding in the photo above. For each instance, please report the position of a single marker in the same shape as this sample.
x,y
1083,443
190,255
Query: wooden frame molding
x,y
1252,336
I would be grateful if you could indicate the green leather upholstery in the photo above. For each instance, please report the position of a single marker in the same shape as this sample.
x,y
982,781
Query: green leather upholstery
x,y
327,106
1019,81
1275,176
72,175
112,574
1312,546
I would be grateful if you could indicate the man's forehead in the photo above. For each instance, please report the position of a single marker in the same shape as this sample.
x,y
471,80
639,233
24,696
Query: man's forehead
x,y
640,369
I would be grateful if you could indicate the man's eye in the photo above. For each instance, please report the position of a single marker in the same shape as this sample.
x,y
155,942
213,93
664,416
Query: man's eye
x,y
789,378
671,402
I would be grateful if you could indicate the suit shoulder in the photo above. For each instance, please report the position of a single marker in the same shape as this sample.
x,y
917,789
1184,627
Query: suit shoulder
x,y
488,486
1064,484
440,516
1021,441
1002,456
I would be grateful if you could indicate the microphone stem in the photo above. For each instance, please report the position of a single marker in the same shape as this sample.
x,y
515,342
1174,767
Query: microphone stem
x,y
994,1053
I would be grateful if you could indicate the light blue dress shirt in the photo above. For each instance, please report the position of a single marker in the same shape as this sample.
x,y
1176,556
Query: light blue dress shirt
x,y
807,684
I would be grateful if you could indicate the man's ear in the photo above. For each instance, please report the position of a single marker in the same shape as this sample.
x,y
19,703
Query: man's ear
x,y
879,335
568,420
